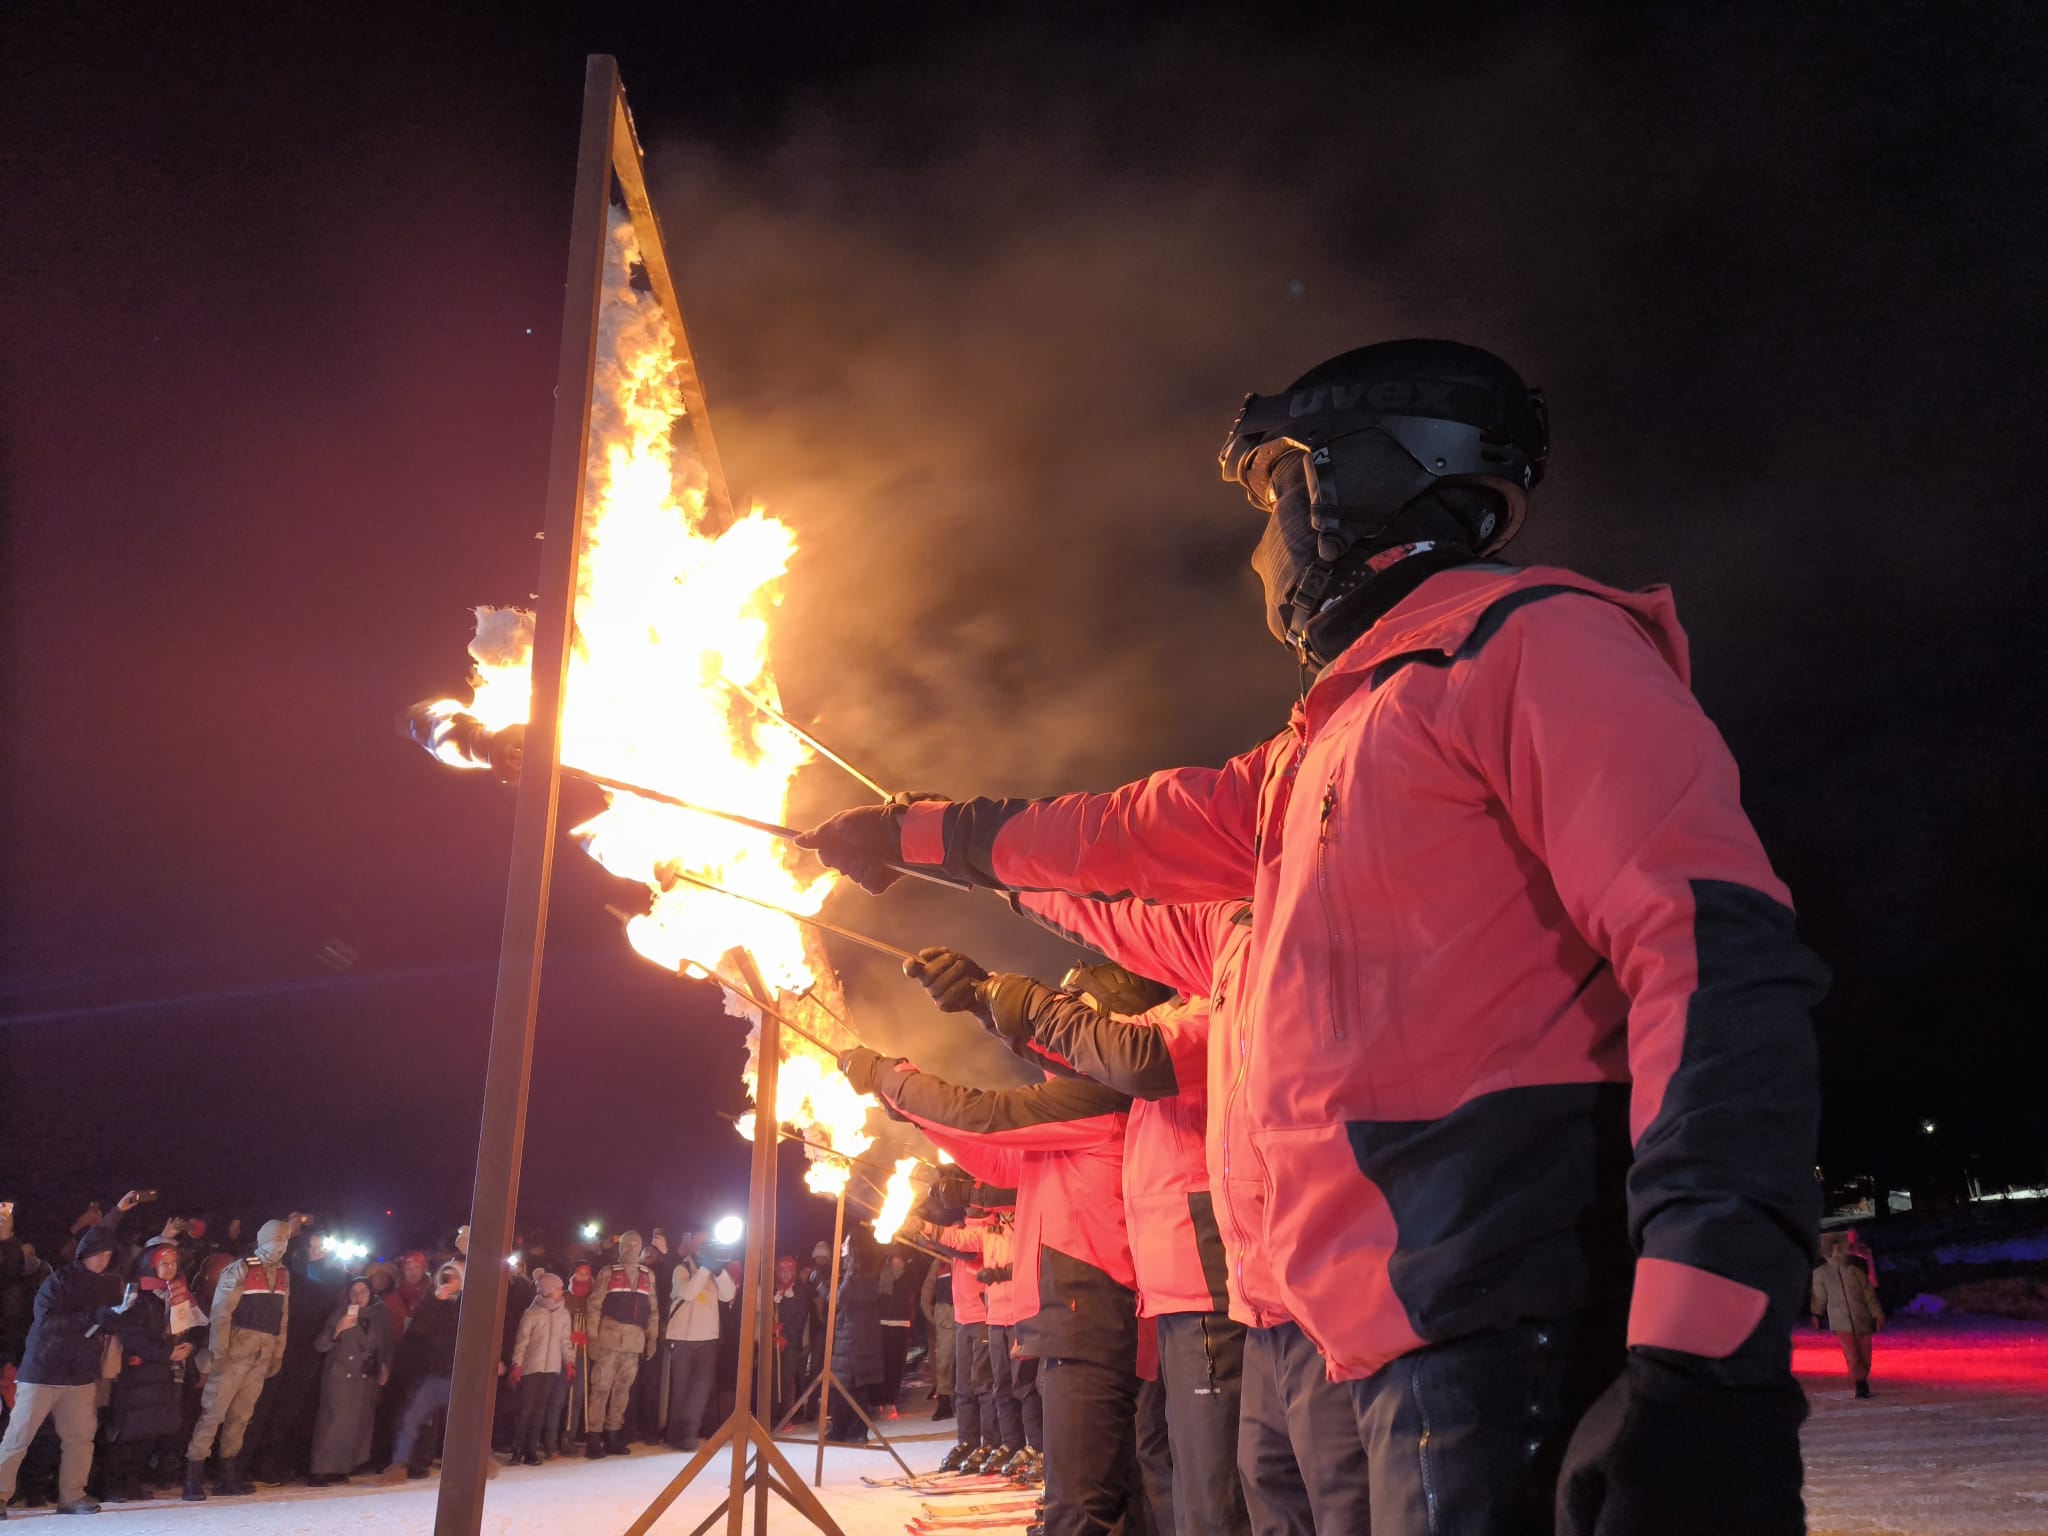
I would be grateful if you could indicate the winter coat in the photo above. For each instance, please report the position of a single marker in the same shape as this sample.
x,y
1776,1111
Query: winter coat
x,y
970,1295
64,1345
257,1333
148,1397
429,1342
350,1380
1843,1297
1060,1144
698,1291
618,1294
541,1347
1509,925
1162,1060
857,1346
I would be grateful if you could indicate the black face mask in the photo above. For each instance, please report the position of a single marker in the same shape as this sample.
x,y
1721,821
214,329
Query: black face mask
x,y
1402,524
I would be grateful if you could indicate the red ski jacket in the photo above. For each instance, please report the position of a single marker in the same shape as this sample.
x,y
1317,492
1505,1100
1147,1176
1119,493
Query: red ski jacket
x,y
1061,1145
1161,1060
963,1244
1510,924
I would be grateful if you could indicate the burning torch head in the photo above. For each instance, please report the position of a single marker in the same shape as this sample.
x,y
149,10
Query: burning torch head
x,y
463,741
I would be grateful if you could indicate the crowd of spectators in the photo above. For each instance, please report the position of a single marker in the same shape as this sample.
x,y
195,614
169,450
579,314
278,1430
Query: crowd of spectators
x,y
140,1355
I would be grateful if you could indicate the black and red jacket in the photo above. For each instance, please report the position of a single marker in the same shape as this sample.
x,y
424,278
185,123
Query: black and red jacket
x,y
1061,1145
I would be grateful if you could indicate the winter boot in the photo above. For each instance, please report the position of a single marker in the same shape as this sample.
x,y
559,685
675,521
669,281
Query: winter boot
x,y
951,1461
945,1408
1863,1389
231,1481
615,1442
593,1445
195,1480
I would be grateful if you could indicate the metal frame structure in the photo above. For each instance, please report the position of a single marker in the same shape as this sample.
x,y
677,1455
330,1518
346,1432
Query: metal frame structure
x,y
608,151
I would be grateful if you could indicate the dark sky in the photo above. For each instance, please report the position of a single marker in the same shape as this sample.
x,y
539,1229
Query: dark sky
x,y
975,292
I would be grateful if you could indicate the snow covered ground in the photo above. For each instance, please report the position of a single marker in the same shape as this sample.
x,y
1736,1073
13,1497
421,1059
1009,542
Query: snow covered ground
x,y
1955,1443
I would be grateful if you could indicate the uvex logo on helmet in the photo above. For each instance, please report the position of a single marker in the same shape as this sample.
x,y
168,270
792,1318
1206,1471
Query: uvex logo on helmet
x,y
1445,398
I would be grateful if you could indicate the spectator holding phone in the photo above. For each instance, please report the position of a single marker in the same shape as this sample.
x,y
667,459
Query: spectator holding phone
x,y
356,1343
160,1327
60,1368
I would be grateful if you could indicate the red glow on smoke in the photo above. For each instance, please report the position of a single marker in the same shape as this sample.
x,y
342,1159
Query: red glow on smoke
x,y
1972,1356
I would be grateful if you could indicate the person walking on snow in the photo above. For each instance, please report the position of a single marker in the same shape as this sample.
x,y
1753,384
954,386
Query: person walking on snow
x,y
1844,1299
1525,1111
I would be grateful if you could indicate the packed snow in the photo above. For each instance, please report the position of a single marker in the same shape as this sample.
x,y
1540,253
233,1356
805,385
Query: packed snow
x,y
1954,1443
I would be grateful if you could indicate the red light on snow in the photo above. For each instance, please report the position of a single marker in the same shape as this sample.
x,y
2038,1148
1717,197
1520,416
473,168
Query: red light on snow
x,y
1978,1356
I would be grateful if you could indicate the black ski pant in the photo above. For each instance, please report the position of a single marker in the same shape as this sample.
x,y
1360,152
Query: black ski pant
x,y
1155,1459
1020,1416
1466,1438
1091,1475
692,1365
1298,1452
973,1386
1201,1365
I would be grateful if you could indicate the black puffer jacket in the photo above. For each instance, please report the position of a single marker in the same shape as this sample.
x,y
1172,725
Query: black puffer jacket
x,y
63,1348
149,1394
857,1349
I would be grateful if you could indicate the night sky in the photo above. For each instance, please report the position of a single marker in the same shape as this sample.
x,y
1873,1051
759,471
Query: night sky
x,y
975,292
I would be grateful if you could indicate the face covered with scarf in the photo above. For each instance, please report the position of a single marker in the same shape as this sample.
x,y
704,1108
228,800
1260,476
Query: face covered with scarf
x,y
1396,525
272,1239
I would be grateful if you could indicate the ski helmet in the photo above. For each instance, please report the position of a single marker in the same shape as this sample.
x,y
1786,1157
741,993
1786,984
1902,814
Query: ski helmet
x,y
1387,450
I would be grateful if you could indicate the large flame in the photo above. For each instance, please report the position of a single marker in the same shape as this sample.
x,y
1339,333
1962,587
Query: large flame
x,y
897,1200
669,613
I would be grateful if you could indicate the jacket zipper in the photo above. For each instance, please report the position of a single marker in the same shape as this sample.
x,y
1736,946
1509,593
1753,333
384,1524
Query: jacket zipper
x,y
1329,907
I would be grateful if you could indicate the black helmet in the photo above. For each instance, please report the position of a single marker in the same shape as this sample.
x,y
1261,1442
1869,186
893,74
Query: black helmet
x,y
1461,414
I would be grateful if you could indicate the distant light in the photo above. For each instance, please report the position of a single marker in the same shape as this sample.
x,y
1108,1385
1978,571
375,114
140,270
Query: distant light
x,y
1927,1127
511,1261
529,330
590,1231
727,1230
387,1213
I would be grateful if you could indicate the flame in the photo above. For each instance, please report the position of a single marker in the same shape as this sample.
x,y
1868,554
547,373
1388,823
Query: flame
x,y
897,1199
669,612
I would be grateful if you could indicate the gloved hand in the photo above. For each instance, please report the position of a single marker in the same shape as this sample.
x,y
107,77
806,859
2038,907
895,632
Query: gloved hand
x,y
953,979
1666,1451
860,844
1009,1004
865,1069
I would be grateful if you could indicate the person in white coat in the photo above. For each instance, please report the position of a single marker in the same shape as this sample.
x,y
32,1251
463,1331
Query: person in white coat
x,y
691,1339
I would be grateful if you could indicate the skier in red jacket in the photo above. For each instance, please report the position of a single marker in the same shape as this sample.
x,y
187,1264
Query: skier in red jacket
x,y
1524,1119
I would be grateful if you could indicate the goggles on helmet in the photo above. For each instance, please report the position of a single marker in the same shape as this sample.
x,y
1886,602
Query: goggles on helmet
x,y
1452,431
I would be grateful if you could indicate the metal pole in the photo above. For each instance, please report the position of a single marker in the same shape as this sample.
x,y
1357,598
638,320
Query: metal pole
x,y
466,1461
831,1334
760,1230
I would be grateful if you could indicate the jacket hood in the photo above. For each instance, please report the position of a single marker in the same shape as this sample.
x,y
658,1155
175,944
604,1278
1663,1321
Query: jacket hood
x,y
93,1240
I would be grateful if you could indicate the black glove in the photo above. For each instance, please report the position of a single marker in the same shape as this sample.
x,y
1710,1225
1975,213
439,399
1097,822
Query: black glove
x,y
865,1069
1010,1003
861,844
1666,1452
953,979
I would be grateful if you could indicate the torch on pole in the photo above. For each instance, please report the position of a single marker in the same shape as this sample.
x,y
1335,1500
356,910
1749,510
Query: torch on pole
x,y
806,737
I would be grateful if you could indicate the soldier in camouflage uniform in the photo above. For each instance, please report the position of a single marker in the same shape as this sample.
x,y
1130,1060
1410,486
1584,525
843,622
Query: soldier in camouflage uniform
x,y
625,1319
251,1306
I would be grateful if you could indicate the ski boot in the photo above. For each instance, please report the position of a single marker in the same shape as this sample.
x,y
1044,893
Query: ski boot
x,y
952,1460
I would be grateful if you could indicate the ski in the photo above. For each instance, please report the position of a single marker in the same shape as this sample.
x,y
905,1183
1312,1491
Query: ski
x,y
946,1482
978,1523
949,1511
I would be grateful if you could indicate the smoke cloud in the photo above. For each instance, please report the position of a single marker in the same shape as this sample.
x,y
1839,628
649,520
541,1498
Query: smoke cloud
x,y
977,332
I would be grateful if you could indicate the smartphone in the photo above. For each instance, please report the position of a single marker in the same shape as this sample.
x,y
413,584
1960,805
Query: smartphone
x,y
144,1196
355,1309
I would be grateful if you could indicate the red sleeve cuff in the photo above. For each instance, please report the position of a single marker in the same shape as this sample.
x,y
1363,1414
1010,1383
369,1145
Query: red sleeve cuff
x,y
1693,1311
924,832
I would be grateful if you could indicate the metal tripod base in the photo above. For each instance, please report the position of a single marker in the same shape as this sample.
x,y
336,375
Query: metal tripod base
x,y
767,1470
822,1384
